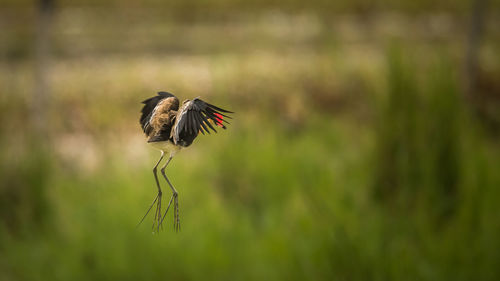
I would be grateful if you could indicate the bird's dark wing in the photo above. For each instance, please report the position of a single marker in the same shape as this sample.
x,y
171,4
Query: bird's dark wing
x,y
195,117
149,109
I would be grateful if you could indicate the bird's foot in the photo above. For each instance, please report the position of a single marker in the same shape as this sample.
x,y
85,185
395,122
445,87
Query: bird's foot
x,y
157,219
176,211
177,222
149,209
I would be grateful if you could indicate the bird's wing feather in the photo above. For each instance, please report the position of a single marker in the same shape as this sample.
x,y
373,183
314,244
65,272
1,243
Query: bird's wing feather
x,y
194,117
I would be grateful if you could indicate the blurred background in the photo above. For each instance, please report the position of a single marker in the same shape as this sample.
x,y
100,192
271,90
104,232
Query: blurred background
x,y
365,144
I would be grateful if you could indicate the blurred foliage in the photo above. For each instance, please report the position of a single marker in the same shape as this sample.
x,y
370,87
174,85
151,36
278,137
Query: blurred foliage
x,y
420,156
352,155
205,8
22,195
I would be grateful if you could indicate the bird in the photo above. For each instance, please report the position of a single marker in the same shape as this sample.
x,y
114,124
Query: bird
x,y
171,127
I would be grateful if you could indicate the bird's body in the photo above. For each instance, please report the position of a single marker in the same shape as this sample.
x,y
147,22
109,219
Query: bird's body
x,y
167,147
171,127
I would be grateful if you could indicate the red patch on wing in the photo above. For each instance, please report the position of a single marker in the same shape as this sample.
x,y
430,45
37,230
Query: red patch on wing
x,y
219,119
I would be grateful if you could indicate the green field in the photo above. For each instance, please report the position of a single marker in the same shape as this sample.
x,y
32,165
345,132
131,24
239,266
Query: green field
x,y
354,153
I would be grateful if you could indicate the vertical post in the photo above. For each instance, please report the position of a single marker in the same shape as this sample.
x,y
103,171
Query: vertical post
x,y
41,97
473,43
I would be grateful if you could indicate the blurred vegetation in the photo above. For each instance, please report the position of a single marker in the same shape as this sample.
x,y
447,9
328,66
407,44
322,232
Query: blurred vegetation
x,y
353,154
208,8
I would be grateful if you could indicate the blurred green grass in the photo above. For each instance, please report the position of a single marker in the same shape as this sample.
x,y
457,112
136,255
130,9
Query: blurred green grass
x,y
348,159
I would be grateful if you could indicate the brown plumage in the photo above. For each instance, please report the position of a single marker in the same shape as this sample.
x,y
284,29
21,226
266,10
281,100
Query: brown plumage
x,y
169,129
164,115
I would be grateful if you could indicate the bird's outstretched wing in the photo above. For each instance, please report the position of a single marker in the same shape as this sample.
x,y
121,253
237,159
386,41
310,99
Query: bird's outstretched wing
x,y
195,117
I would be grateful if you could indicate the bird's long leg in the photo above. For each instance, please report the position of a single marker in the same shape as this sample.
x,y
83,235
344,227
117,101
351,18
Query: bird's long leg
x,y
177,225
157,219
165,176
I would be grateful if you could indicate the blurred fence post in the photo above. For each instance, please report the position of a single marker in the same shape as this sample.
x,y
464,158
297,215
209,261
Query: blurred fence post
x,y
41,95
476,27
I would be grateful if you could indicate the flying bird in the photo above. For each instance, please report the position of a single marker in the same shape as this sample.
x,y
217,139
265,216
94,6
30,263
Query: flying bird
x,y
170,128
